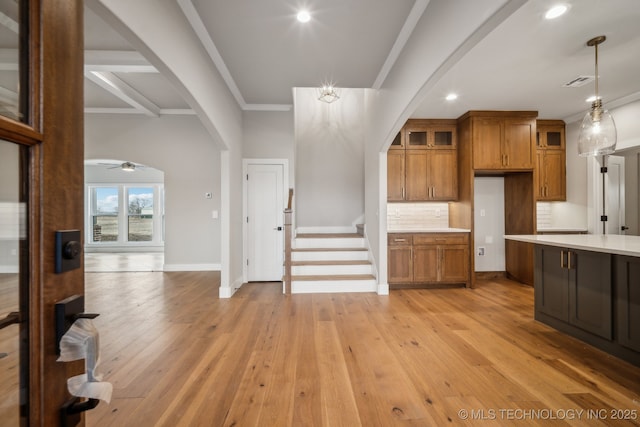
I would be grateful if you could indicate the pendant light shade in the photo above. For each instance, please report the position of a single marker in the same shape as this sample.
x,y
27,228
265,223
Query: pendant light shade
x,y
598,135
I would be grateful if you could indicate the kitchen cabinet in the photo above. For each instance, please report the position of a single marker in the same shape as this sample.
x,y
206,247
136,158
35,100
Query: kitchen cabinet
x,y
395,175
551,161
427,168
627,302
502,143
575,287
400,262
435,258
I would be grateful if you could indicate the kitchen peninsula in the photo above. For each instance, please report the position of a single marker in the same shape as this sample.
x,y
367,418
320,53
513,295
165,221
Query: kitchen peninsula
x,y
588,286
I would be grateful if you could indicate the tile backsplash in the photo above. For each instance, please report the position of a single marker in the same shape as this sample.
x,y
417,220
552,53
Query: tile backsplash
x,y
543,215
427,215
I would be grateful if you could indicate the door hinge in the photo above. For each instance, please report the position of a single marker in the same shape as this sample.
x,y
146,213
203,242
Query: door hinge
x,y
247,177
247,262
603,169
603,218
247,220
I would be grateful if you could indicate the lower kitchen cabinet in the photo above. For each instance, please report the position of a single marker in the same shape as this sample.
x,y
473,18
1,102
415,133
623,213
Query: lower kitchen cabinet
x,y
627,280
428,259
575,287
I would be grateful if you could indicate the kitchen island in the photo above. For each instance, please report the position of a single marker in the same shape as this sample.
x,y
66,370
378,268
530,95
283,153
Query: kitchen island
x,y
588,286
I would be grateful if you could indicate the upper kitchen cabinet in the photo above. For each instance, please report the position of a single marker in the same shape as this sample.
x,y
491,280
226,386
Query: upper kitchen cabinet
x,y
427,168
551,166
502,140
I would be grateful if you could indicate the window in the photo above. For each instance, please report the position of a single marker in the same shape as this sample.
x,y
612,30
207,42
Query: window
x,y
125,215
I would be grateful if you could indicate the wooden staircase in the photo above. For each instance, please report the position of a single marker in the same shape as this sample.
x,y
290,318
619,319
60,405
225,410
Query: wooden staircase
x,y
324,263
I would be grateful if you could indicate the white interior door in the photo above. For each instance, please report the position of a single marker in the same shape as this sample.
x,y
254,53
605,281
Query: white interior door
x,y
265,231
614,195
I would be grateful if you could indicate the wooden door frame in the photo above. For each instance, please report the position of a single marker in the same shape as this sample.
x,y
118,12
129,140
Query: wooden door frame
x,y
285,181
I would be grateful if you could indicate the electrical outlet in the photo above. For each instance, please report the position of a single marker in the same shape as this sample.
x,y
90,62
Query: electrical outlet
x,y
481,251
437,213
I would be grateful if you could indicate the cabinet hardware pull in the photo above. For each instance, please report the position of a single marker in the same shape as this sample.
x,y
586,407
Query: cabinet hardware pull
x,y
399,240
433,192
569,260
562,259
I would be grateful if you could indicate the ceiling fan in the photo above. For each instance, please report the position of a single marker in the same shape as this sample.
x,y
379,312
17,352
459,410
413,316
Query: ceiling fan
x,y
126,166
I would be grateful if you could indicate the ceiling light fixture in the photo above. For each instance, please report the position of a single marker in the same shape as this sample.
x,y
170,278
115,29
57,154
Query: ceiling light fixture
x,y
328,94
303,16
598,133
128,167
556,11
451,97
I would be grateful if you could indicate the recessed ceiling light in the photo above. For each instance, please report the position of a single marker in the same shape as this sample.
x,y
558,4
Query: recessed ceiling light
x,y
303,16
556,11
451,97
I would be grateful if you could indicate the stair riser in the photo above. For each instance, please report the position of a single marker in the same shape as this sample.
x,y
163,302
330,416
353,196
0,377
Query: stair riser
x,y
308,243
328,270
330,256
333,286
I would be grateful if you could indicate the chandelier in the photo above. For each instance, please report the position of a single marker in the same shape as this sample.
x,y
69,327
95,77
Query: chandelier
x,y
328,94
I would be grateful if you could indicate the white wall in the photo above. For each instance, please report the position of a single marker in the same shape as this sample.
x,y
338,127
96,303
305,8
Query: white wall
x,y
182,148
10,207
489,223
329,159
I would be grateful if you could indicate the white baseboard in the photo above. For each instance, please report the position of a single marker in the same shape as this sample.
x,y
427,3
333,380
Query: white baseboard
x,y
9,269
326,230
383,289
227,292
191,267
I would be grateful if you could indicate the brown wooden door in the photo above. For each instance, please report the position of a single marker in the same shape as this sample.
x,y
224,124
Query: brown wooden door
x,y
442,174
454,263
518,147
487,144
416,175
395,175
400,264
553,165
425,263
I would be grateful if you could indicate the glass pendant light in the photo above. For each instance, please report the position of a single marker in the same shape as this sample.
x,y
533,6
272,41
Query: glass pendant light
x,y
598,135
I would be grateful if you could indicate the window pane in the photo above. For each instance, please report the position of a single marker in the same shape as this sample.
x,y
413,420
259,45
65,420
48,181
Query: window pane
x,y
140,214
13,89
105,216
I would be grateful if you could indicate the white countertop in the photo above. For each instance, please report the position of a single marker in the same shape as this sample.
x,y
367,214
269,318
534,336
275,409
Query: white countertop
x,y
611,243
420,229
561,230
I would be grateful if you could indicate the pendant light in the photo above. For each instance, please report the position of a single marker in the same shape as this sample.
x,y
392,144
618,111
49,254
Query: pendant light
x,y
598,131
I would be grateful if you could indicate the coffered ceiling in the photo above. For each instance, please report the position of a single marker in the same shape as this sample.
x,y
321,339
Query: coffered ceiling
x,y
263,52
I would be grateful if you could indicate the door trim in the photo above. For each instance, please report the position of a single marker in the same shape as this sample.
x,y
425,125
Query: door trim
x,y
285,181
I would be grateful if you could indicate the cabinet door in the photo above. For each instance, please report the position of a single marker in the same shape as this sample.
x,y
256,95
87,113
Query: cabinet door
x,y
395,175
416,138
518,148
454,263
398,142
590,306
540,176
628,301
551,283
442,175
400,264
425,263
555,176
487,142
443,137
416,175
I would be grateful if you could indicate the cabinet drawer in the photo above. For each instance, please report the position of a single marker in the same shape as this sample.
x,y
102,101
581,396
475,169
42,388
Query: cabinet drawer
x,y
399,239
441,239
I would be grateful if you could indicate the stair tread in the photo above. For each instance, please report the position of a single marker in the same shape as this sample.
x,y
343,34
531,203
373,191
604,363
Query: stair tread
x,y
343,262
328,236
327,249
335,277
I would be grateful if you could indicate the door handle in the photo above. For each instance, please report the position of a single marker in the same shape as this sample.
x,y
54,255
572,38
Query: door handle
x,y
10,319
278,228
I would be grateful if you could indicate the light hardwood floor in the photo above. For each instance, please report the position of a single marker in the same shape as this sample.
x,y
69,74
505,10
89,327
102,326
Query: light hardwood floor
x,y
177,355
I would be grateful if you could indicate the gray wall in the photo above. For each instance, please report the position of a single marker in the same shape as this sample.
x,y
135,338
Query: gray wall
x,y
180,147
329,158
269,135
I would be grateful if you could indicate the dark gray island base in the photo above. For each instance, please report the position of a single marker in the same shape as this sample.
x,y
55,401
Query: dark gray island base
x,y
592,295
